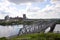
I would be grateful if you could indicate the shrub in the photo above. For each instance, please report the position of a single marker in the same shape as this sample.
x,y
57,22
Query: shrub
x,y
3,38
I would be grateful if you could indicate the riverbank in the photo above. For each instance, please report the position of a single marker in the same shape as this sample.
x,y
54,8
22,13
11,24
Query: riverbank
x,y
37,36
28,21
16,23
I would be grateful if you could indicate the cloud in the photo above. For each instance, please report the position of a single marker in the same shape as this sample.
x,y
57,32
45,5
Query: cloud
x,y
55,0
24,1
7,9
33,9
2,15
50,11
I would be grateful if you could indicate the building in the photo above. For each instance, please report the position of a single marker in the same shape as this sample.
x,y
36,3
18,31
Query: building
x,y
24,16
7,18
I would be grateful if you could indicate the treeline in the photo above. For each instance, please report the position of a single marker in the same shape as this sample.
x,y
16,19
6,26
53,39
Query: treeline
x,y
16,22
11,23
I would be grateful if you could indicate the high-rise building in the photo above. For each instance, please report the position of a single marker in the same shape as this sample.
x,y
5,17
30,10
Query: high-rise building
x,y
24,16
7,17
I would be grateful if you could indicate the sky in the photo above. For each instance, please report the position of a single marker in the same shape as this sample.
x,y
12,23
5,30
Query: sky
x,y
32,8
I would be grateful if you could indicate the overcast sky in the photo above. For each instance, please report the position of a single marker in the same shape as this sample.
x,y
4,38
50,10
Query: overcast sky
x,y
32,8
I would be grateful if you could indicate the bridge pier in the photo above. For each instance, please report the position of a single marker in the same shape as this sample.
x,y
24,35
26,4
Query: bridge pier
x,y
52,27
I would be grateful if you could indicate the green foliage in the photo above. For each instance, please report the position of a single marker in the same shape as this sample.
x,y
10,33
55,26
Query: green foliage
x,y
28,22
38,36
3,38
15,22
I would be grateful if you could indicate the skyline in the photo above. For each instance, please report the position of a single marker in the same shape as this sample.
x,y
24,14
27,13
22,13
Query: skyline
x,y
32,8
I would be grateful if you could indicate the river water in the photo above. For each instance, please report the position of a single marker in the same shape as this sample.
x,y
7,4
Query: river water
x,y
6,31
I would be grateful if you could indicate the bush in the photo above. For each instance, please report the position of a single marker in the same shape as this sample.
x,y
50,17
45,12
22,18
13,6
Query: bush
x,y
3,38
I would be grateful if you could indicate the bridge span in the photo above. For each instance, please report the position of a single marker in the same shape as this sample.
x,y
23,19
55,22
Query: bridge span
x,y
37,27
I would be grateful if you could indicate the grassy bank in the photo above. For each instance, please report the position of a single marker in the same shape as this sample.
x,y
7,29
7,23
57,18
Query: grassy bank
x,y
38,36
35,36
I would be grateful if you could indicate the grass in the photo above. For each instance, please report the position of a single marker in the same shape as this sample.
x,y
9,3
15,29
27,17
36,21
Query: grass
x,y
35,36
3,38
38,36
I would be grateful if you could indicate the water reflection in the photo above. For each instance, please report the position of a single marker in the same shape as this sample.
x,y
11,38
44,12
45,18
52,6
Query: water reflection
x,y
57,28
6,31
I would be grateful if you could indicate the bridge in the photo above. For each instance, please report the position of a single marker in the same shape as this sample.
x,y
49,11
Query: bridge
x,y
38,25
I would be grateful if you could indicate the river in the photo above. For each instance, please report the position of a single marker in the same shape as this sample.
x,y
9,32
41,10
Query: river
x,y
6,31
